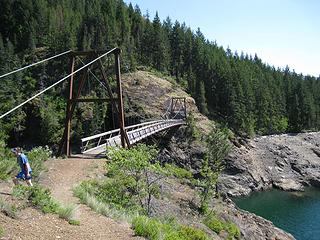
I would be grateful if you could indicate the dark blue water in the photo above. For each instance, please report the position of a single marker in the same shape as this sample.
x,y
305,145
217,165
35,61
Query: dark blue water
x,y
295,212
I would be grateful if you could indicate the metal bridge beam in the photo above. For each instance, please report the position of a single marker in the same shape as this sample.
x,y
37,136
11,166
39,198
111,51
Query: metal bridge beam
x,y
124,136
117,103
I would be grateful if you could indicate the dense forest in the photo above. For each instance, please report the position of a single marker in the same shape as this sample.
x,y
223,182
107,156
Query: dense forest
x,y
240,90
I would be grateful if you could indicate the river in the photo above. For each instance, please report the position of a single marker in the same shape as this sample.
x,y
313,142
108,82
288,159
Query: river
x,y
295,212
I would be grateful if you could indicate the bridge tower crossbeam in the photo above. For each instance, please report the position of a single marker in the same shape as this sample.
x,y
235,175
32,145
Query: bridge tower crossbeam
x,y
178,109
73,99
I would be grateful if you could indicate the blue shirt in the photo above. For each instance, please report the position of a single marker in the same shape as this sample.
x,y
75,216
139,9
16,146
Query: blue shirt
x,y
22,159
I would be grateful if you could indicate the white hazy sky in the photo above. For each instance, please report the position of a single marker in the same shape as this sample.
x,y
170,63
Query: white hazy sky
x,y
281,32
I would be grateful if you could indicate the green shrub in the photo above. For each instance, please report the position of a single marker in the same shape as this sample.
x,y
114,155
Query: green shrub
x,y
42,199
67,212
146,227
1,232
178,172
37,156
233,230
8,209
37,196
154,229
8,162
190,233
131,183
133,178
217,225
20,192
74,222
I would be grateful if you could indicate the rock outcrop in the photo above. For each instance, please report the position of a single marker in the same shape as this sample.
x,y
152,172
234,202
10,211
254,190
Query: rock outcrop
x,y
244,171
287,161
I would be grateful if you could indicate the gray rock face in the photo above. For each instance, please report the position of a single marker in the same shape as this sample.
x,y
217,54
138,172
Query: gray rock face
x,y
175,149
244,172
288,162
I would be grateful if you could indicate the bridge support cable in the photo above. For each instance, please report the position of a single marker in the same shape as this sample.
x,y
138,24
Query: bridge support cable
x,y
34,64
56,83
94,76
106,87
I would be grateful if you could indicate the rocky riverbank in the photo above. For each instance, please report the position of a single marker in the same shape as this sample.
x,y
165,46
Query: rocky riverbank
x,y
287,161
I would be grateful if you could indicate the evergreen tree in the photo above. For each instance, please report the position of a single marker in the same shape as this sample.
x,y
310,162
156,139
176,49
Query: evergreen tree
x,y
238,89
159,48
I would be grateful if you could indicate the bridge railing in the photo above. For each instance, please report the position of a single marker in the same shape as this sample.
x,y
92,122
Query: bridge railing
x,y
135,133
92,142
140,133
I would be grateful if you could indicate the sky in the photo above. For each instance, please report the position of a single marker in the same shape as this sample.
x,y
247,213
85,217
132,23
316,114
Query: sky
x,y
280,32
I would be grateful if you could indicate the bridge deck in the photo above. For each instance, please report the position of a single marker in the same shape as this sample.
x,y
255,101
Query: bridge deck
x,y
96,145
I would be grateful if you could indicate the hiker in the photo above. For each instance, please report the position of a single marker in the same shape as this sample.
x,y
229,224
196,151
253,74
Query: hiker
x,y
25,169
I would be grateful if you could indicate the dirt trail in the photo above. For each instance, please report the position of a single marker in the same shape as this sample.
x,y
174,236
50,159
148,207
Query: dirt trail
x,y
62,175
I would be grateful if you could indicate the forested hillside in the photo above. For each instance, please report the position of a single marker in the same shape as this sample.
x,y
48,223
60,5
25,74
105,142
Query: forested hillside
x,y
240,90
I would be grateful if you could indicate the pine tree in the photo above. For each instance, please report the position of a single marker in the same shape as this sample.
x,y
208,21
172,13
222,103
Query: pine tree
x,y
176,39
159,45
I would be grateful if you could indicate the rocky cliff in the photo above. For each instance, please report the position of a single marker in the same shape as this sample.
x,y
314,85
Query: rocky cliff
x,y
152,92
288,162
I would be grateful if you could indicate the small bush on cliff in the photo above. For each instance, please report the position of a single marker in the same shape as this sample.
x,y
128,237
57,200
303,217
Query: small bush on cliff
x,y
212,222
182,174
155,229
1,232
217,225
192,131
134,176
217,149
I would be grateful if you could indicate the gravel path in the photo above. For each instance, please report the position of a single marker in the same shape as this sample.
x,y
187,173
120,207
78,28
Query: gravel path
x,y
62,175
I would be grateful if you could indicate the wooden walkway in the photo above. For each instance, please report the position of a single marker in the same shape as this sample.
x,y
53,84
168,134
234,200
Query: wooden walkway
x,y
96,145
